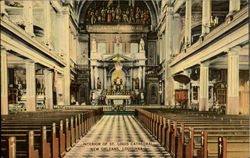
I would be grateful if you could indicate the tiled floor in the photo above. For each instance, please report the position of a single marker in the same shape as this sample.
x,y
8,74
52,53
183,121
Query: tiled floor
x,y
117,136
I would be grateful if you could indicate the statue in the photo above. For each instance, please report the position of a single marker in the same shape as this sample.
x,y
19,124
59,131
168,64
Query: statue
x,y
137,83
109,15
99,83
142,44
137,15
132,16
125,17
92,17
103,13
112,15
118,14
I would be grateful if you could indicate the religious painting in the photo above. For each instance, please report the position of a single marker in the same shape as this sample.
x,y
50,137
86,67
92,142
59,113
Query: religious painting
x,y
117,12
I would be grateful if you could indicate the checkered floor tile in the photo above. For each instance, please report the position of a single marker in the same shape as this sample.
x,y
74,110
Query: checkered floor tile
x,y
118,136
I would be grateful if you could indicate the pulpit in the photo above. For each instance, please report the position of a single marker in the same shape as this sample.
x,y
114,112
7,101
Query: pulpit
x,y
181,96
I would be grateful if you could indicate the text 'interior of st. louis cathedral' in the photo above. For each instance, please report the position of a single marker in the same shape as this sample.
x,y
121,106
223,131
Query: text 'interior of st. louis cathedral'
x,y
174,74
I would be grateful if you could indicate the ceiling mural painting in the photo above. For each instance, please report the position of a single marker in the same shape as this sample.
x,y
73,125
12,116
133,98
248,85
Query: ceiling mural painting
x,y
117,12
113,12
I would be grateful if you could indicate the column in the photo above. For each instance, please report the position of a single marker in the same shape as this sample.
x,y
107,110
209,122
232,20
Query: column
x,y
143,77
139,76
131,79
64,45
233,81
47,23
2,9
176,28
48,75
204,79
188,86
234,6
92,77
4,82
206,15
30,86
96,75
168,33
105,79
28,16
159,48
188,19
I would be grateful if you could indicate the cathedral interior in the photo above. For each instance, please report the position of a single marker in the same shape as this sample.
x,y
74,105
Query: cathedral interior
x,y
168,78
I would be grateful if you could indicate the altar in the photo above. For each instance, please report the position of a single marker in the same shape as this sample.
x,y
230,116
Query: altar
x,y
118,102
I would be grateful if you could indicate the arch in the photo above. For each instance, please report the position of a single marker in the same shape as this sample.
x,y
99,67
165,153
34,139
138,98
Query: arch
x,y
84,5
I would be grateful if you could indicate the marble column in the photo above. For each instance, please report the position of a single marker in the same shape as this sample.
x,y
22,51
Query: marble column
x,y
28,17
30,86
48,75
234,6
206,15
4,82
204,79
233,81
47,23
188,20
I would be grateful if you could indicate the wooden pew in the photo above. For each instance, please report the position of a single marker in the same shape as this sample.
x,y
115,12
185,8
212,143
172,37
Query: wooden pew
x,y
166,131
59,134
28,143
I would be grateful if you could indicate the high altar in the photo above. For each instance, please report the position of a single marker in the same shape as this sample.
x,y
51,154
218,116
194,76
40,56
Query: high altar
x,y
117,62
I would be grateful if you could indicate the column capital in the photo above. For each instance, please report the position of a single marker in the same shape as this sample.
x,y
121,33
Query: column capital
x,y
234,50
169,10
205,64
65,11
29,61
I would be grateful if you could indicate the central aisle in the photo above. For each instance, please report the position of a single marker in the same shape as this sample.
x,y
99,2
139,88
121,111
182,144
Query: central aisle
x,y
117,136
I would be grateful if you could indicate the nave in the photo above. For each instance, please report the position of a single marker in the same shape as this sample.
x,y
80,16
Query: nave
x,y
125,137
